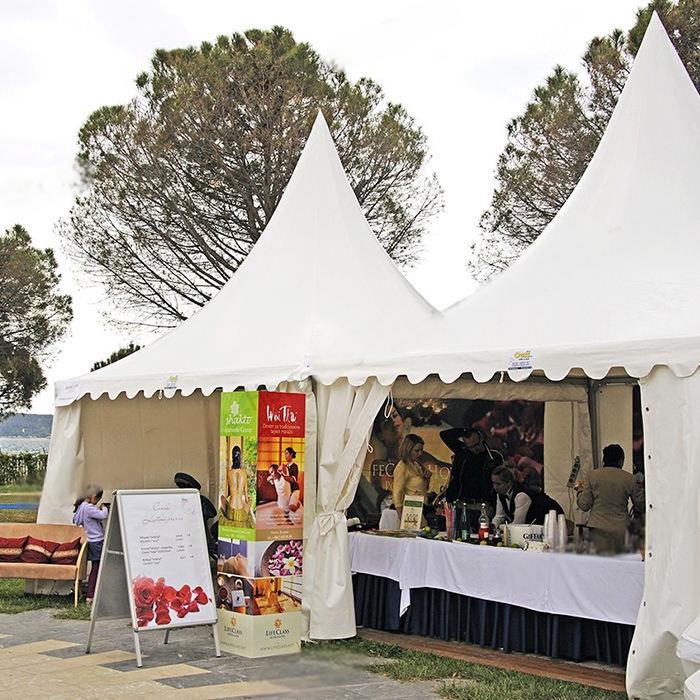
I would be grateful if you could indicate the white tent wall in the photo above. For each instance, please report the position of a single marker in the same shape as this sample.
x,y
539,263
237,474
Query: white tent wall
x,y
614,419
130,443
567,434
671,410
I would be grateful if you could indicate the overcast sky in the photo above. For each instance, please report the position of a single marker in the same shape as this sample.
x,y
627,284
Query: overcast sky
x,y
462,69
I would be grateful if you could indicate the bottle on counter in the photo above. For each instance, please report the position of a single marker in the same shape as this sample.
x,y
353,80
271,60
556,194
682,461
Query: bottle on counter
x,y
484,524
463,521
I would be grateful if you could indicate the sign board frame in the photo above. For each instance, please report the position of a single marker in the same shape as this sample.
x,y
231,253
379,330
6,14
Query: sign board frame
x,y
113,599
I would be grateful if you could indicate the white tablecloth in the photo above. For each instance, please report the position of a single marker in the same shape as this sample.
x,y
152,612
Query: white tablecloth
x,y
594,587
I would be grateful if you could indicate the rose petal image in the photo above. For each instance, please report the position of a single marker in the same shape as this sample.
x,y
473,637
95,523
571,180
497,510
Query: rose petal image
x,y
168,594
144,591
145,614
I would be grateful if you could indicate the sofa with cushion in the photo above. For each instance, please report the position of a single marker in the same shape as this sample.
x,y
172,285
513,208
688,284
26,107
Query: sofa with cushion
x,y
43,551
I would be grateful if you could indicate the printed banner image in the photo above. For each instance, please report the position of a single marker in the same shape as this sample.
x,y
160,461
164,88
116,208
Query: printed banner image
x,y
515,429
273,596
260,558
238,456
235,557
258,596
279,558
280,488
237,485
235,593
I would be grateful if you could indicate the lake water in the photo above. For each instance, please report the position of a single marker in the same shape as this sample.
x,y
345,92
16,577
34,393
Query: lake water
x,y
24,444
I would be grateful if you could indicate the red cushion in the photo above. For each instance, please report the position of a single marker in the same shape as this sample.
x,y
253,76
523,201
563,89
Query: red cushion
x,y
66,552
38,551
11,548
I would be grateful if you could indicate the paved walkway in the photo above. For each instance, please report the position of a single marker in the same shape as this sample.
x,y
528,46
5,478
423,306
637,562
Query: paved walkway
x,y
41,657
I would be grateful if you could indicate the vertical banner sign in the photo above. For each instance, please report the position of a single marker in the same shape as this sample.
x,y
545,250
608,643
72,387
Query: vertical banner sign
x,y
261,513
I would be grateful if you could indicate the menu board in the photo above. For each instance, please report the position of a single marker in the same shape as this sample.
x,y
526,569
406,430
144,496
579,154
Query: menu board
x,y
166,559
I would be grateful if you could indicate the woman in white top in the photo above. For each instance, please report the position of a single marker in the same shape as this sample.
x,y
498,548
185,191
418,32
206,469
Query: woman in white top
x,y
283,486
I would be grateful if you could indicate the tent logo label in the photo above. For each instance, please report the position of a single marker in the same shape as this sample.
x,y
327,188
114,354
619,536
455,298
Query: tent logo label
x,y
521,359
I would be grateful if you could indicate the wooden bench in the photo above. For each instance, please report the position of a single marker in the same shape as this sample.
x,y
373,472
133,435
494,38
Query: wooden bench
x,y
47,572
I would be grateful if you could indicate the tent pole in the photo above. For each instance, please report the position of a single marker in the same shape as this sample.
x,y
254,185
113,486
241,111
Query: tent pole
x,y
593,387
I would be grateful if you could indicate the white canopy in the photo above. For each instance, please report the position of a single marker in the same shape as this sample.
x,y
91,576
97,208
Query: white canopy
x,y
613,280
317,295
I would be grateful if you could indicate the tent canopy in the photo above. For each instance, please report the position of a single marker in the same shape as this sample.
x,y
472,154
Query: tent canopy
x,y
317,295
613,280
610,283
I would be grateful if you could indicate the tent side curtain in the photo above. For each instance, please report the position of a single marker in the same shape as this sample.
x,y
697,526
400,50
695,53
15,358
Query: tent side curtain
x,y
345,415
671,411
65,467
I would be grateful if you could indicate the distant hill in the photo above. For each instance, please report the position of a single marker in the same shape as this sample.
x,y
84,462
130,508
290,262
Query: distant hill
x,y
27,424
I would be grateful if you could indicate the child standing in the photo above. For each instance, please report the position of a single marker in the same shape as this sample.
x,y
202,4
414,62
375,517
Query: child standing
x,y
91,517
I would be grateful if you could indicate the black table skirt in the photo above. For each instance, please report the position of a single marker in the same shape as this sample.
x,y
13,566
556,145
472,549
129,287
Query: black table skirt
x,y
450,616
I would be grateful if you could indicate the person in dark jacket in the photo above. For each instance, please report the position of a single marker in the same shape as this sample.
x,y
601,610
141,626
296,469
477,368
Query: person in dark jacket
x,y
517,504
472,465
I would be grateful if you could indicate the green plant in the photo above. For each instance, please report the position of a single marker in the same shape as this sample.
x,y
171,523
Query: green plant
x,y
23,467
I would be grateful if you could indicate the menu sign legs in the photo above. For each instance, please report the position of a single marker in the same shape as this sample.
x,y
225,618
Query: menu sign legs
x,y
261,510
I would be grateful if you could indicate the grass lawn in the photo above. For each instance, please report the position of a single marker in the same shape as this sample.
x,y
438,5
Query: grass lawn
x,y
13,600
463,680
19,493
34,489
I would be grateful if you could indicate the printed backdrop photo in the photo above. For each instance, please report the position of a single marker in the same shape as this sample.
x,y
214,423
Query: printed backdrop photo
x,y
514,428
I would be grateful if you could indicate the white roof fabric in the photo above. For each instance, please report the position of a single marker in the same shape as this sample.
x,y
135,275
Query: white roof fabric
x,y
613,281
317,295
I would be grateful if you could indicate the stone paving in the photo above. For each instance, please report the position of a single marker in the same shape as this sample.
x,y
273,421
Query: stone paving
x,y
41,657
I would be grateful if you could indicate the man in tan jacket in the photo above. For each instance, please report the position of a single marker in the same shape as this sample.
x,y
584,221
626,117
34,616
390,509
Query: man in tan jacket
x,y
606,493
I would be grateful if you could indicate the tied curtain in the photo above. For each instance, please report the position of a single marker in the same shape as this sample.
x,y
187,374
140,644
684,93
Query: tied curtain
x,y
671,410
345,415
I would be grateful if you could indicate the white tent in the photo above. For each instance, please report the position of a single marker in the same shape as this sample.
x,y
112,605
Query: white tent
x,y
608,285
319,298
613,283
